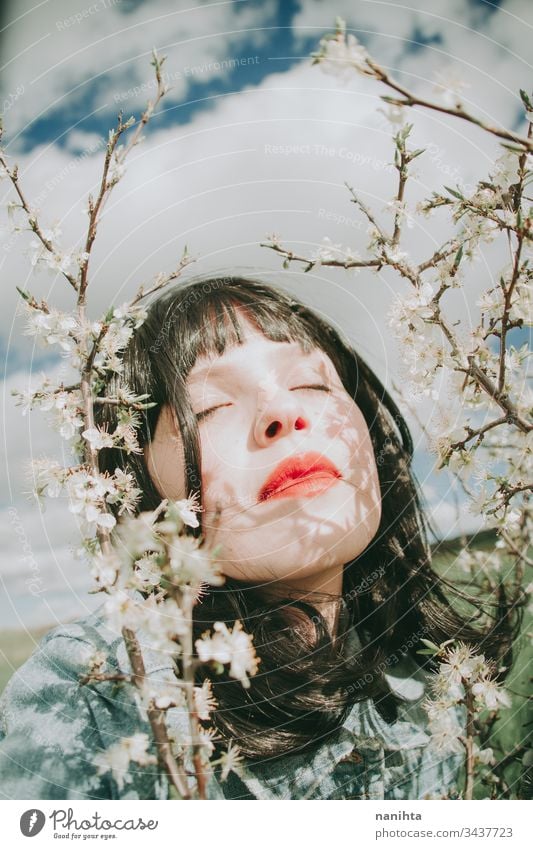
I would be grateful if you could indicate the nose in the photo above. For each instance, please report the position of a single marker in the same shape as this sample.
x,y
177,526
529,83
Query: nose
x,y
280,417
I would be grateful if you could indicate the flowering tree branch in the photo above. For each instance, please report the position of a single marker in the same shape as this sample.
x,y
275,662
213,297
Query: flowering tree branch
x,y
44,239
340,53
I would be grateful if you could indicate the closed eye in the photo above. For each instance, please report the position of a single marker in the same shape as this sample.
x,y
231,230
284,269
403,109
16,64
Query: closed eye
x,y
319,387
204,413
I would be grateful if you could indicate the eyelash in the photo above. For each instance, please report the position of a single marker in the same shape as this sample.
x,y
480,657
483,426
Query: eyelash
x,y
317,386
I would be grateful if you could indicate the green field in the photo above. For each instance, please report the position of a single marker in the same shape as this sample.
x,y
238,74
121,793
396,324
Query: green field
x,y
15,647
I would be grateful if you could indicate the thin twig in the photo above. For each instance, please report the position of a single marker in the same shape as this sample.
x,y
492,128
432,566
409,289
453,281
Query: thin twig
x,y
186,642
411,99
468,742
32,219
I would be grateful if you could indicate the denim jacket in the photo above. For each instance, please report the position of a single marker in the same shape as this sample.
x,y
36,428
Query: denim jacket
x,y
51,727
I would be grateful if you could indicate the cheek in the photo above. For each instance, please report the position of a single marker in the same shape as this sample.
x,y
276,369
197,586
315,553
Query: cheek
x,y
165,465
361,459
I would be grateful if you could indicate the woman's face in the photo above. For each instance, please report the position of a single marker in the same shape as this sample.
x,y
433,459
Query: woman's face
x,y
259,405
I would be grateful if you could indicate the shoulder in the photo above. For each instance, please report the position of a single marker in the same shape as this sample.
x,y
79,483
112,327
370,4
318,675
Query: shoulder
x,y
59,659
52,725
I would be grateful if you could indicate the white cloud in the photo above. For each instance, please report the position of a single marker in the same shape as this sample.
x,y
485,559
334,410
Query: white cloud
x,y
57,53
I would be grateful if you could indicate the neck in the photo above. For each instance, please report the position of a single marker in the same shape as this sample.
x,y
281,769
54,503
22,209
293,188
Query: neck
x,y
323,590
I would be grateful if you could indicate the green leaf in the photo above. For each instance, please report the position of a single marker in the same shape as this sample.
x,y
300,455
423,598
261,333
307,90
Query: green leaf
x,y
455,194
526,100
23,294
387,98
433,646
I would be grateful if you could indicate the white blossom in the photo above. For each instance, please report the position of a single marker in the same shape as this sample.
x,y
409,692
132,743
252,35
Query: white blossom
x,y
68,419
450,86
342,55
137,535
328,251
163,694
399,208
52,328
116,759
230,760
134,313
490,694
87,498
191,564
505,169
484,756
204,700
146,573
162,624
98,438
396,256
124,492
49,477
116,172
461,664
444,727
104,569
230,647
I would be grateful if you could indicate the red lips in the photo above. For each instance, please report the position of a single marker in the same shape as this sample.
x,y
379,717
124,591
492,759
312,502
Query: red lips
x,y
301,467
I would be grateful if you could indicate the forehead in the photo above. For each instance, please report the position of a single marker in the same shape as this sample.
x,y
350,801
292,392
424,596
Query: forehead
x,y
256,349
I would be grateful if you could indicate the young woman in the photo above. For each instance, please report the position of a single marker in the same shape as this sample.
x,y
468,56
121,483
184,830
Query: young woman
x,y
301,463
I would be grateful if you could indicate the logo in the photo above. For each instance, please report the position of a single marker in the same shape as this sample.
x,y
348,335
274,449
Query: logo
x,y
31,822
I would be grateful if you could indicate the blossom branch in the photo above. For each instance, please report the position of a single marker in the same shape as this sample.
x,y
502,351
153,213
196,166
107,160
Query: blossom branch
x,y
468,742
32,218
163,280
501,398
122,402
156,718
188,678
508,292
157,63
310,263
94,206
367,212
410,99
340,53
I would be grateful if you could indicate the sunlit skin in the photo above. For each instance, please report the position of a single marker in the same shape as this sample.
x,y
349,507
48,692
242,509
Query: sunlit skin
x,y
266,402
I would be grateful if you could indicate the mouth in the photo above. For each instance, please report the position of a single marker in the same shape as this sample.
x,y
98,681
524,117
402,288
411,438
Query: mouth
x,y
303,475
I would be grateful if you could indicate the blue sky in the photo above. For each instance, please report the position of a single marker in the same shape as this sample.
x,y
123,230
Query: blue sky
x,y
282,44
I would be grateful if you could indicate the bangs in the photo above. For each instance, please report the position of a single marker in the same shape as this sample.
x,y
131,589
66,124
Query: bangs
x,y
207,320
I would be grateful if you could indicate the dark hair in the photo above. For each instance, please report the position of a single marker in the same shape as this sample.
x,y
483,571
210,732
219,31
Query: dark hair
x,y
306,682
